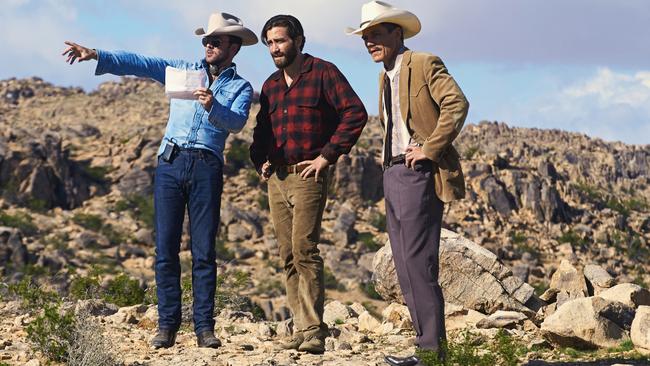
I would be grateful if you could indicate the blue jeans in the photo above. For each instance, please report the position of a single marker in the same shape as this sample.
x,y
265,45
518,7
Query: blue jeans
x,y
194,178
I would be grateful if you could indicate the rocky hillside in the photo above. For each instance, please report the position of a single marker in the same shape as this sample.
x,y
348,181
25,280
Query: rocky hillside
x,y
76,173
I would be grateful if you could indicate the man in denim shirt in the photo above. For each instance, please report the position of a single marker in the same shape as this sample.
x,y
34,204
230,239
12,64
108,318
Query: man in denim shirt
x,y
192,174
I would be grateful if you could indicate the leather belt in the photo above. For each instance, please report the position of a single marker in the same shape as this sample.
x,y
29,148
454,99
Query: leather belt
x,y
395,160
291,169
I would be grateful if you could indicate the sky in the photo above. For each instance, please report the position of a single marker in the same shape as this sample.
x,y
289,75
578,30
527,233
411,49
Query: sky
x,y
576,65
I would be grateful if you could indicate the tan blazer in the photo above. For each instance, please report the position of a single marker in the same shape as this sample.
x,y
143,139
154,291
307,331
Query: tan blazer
x,y
434,109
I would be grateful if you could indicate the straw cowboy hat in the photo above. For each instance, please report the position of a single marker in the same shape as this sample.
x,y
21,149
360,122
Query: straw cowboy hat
x,y
376,12
224,23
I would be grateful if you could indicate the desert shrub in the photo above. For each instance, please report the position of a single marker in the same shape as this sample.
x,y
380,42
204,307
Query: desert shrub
x,y
237,156
88,345
88,221
469,153
230,285
369,241
141,207
370,291
330,280
21,221
150,295
378,220
222,250
32,296
262,201
97,173
123,291
52,332
85,287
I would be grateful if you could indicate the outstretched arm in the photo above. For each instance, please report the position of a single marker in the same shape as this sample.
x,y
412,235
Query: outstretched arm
x,y
123,63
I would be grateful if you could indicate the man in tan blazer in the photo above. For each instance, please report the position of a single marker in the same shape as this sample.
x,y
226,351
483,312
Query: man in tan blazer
x,y
422,110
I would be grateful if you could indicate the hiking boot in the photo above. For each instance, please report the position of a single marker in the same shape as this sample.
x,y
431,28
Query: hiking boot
x,y
294,342
206,339
313,344
164,339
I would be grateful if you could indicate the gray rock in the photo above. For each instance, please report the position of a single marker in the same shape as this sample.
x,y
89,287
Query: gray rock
x,y
469,275
577,324
337,312
498,196
502,319
136,181
598,278
343,231
12,249
619,313
627,293
569,282
640,332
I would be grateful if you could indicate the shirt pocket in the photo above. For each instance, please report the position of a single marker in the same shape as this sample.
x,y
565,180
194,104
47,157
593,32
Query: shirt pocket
x,y
225,98
309,114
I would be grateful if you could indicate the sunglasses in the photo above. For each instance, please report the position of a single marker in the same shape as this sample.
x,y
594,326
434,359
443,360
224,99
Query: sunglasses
x,y
212,41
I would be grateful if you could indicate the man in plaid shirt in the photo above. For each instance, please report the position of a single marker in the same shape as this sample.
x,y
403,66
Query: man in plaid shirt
x,y
309,116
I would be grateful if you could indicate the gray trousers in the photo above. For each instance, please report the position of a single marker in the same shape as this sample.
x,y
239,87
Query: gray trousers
x,y
414,219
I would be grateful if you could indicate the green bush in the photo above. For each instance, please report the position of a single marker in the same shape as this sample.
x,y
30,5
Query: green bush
x,y
85,287
222,250
572,238
150,295
378,220
114,236
97,173
88,221
369,289
330,281
141,207
469,153
21,221
369,241
52,332
263,201
123,291
230,285
33,296
237,155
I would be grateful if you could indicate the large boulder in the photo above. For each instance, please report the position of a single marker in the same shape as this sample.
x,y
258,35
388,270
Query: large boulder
x,y
580,324
640,332
470,275
627,293
598,279
569,283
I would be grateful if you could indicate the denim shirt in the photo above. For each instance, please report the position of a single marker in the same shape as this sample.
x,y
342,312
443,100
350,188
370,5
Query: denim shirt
x,y
189,124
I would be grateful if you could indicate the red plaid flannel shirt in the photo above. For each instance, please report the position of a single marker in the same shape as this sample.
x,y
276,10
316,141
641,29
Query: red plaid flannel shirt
x,y
318,114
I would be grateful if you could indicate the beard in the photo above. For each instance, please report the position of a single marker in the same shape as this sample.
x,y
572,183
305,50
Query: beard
x,y
217,59
286,59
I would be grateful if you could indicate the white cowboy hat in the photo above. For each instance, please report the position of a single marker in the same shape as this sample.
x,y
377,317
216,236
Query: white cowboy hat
x,y
376,12
224,23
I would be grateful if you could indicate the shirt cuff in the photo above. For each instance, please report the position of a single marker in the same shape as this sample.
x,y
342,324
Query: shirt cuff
x,y
330,154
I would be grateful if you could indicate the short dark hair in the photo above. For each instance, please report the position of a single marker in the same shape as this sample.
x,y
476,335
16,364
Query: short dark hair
x,y
392,26
294,28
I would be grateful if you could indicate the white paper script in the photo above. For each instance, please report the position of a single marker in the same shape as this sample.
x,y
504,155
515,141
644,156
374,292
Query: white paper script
x,y
180,84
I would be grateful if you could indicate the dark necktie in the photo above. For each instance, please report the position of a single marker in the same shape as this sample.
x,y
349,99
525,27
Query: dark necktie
x,y
388,106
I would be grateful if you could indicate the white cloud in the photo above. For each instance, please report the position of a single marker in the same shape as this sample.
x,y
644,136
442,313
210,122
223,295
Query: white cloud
x,y
611,88
609,104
